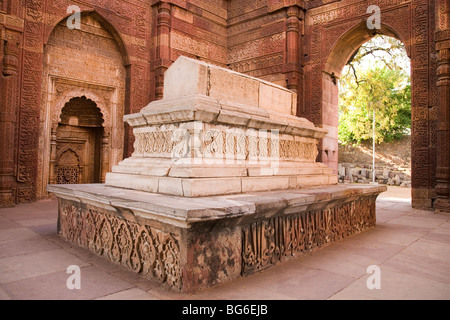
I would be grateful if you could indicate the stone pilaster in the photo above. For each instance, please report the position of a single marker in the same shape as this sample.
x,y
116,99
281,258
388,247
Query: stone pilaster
x,y
442,203
162,46
294,44
10,48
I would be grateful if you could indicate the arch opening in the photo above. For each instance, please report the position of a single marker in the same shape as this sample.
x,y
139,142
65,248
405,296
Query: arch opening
x,y
341,53
78,142
83,99
375,114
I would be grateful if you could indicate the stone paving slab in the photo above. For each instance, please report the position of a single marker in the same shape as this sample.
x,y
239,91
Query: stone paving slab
x,y
20,267
52,286
303,282
410,246
22,247
337,260
130,294
8,224
396,286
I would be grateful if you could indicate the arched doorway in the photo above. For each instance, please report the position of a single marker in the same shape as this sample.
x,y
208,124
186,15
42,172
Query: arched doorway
x,y
83,98
77,154
341,53
375,114
423,111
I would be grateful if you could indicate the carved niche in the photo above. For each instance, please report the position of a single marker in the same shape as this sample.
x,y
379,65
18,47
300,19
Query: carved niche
x,y
85,62
68,168
79,143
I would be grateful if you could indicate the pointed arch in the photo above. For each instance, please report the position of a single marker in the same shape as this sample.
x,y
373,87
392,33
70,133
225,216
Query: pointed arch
x,y
350,42
106,24
341,52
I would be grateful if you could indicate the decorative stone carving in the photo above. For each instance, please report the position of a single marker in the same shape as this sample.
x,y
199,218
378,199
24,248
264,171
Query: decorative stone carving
x,y
216,142
260,38
144,249
266,242
79,65
204,123
68,168
192,245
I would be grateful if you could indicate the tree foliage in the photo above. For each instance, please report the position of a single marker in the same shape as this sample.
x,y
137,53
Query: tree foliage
x,y
376,79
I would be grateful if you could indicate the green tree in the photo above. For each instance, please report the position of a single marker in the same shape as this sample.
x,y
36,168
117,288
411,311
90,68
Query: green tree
x,y
380,84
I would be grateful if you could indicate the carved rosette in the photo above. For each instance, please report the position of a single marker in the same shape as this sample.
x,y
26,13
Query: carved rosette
x,y
266,242
143,249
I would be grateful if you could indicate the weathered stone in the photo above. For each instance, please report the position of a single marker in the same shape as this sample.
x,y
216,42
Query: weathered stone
x,y
216,123
188,77
341,171
397,180
193,245
228,227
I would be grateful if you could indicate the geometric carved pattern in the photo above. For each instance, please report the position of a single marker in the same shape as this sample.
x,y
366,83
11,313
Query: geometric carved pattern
x,y
216,142
143,249
266,242
67,175
67,168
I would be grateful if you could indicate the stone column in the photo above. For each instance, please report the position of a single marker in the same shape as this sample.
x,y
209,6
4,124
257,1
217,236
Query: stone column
x,y
162,47
52,173
105,154
8,115
293,68
442,203
293,48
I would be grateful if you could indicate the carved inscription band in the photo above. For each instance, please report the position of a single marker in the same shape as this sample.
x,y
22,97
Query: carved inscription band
x,y
266,242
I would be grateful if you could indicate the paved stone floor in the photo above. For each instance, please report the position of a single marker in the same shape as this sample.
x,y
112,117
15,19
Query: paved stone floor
x,y
411,248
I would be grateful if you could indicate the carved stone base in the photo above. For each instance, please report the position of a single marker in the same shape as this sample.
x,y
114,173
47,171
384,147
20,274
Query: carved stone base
x,y
198,243
7,199
442,205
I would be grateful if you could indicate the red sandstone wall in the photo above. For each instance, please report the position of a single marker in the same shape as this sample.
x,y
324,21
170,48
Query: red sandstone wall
x,y
257,40
333,32
30,23
272,39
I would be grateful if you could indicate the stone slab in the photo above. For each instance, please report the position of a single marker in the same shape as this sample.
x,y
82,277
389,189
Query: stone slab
x,y
52,286
187,76
196,244
153,205
23,267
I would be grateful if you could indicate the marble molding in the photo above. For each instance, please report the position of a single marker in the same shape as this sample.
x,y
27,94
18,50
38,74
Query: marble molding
x,y
220,132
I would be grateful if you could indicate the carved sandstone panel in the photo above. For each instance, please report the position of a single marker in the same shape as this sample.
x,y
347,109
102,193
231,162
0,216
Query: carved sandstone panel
x,y
141,248
264,243
85,62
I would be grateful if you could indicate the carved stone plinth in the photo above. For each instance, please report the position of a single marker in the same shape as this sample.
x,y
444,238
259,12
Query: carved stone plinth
x,y
220,132
192,245
219,138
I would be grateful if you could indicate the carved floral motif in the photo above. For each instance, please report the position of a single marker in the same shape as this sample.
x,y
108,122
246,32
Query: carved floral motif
x,y
143,249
